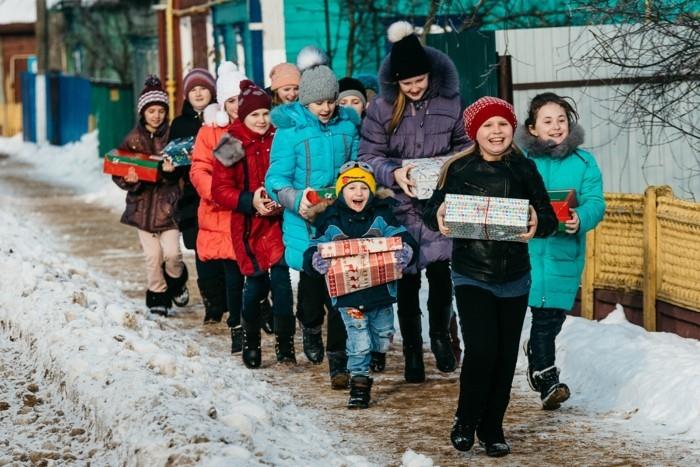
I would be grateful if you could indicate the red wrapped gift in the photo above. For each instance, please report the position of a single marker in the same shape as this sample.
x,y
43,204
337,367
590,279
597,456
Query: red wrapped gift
x,y
562,202
360,263
118,161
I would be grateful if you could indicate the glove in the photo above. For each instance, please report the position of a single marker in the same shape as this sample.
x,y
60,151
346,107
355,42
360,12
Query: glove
x,y
403,256
320,264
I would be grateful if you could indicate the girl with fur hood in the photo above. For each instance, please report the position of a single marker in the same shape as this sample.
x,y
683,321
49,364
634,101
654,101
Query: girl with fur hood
x,y
314,138
417,115
551,138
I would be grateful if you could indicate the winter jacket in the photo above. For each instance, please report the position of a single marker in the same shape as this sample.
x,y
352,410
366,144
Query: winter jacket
x,y
257,240
339,222
185,125
214,234
151,207
514,176
557,261
306,153
431,127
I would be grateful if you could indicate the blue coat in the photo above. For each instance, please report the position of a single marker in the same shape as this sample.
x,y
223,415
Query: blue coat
x,y
306,153
557,261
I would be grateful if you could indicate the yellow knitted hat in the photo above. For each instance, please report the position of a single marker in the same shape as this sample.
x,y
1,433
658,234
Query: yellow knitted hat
x,y
356,174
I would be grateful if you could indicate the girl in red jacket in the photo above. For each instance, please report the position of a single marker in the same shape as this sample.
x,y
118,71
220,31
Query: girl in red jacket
x,y
242,160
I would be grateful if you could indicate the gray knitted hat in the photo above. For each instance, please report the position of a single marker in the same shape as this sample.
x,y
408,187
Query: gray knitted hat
x,y
318,82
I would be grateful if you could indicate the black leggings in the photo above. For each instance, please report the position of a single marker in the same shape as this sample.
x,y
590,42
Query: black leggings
x,y
491,329
312,301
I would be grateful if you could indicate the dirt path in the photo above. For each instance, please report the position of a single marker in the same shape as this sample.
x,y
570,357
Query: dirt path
x,y
402,416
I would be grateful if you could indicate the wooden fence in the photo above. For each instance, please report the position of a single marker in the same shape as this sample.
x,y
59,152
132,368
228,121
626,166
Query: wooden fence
x,y
10,119
648,244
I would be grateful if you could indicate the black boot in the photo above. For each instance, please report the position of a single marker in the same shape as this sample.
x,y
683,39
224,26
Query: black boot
x,y
267,321
313,343
530,370
284,339
552,392
378,362
251,344
177,287
360,389
338,369
444,355
213,292
462,435
414,371
158,303
495,445
236,339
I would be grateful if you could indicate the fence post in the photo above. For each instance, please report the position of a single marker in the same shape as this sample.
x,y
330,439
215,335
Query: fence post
x,y
587,289
650,270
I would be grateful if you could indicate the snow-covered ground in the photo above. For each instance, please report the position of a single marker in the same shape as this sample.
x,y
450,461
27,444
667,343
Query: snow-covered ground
x,y
153,395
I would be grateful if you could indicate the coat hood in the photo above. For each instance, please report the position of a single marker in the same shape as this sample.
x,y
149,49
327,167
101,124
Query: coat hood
x,y
296,115
444,79
538,147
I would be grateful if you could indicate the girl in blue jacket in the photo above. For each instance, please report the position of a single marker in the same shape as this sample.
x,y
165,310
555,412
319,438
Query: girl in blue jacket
x,y
314,138
551,138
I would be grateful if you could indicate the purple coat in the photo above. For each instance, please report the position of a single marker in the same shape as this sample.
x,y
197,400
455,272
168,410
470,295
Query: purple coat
x,y
429,128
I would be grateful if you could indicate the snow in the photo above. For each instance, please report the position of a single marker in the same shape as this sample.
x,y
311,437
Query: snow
x,y
146,388
17,11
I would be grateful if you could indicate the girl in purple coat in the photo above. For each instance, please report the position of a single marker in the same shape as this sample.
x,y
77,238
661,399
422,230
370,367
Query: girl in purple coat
x,y
417,115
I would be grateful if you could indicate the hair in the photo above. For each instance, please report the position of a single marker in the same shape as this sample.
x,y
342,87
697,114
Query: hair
x,y
276,100
540,100
397,114
471,150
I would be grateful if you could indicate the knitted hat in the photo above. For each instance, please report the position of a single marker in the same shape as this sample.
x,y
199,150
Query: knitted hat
x,y
284,74
152,93
251,99
484,108
199,77
355,174
318,82
352,87
228,85
408,57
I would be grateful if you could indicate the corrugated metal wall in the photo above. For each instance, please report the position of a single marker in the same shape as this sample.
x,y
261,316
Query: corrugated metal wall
x,y
628,164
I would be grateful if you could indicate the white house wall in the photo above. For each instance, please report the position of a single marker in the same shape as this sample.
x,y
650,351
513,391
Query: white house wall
x,y
273,35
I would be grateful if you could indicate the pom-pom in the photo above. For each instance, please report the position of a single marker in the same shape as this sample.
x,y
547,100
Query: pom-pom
x,y
222,118
209,114
226,67
152,81
309,57
245,84
399,30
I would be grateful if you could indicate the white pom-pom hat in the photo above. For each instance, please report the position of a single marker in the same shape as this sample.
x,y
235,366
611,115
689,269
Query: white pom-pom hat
x,y
309,57
228,82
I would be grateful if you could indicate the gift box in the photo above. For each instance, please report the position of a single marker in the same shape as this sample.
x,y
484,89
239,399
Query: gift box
x,y
486,218
179,151
317,195
117,162
425,174
360,263
562,202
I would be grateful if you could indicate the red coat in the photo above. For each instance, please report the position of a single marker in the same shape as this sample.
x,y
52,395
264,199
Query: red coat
x,y
257,240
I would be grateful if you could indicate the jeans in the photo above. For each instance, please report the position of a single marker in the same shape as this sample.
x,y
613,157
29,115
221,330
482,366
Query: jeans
x,y
257,288
313,301
546,324
368,331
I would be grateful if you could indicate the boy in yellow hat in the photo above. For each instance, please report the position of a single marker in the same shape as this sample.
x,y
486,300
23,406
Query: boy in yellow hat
x,y
360,211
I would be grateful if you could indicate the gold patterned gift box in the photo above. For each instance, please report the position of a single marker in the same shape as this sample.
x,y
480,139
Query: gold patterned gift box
x,y
360,263
425,174
486,218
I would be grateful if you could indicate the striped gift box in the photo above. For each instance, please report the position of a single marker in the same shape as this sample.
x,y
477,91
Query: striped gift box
x,y
486,218
361,263
425,174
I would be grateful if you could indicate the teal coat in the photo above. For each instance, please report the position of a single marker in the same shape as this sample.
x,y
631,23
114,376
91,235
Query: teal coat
x,y
306,153
557,261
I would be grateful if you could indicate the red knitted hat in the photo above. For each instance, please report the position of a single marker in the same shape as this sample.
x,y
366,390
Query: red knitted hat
x,y
484,108
251,98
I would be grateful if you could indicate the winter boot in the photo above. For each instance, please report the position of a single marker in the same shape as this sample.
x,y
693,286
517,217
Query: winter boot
x,y
498,449
414,371
267,323
360,388
552,392
251,344
444,355
454,336
462,435
284,339
378,362
338,369
528,372
177,287
313,343
158,303
213,292
236,339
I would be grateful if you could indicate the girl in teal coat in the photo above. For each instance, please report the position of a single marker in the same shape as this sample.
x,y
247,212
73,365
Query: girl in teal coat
x,y
314,139
551,138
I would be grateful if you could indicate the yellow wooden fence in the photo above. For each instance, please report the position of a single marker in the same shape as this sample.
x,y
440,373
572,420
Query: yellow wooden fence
x,y
646,243
10,119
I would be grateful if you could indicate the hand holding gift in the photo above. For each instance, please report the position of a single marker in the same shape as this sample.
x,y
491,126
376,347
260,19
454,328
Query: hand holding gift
x,y
131,176
442,210
531,225
403,256
261,202
168,165
404,181
320,264
573,224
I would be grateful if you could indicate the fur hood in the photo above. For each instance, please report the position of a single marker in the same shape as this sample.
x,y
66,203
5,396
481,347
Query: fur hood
x,y
444,79
535,147
296,115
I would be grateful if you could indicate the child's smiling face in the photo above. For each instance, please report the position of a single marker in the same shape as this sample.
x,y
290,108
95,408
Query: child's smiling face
x,y
356,195
551,123
154,115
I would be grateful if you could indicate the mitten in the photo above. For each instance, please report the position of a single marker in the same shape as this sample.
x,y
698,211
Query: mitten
x,y
403,256
320,263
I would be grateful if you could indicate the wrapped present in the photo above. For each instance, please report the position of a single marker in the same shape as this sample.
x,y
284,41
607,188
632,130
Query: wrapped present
x,y
179,151
425,174
117,162
562,202
360,263
317,195
486,218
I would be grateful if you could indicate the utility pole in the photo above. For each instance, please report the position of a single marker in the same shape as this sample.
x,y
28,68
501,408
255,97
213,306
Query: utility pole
x,y
42,36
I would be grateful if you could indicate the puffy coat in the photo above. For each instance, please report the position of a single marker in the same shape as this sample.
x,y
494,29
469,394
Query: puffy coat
x,y
429,128
257,240
306,153
149,206
214,234
557,261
